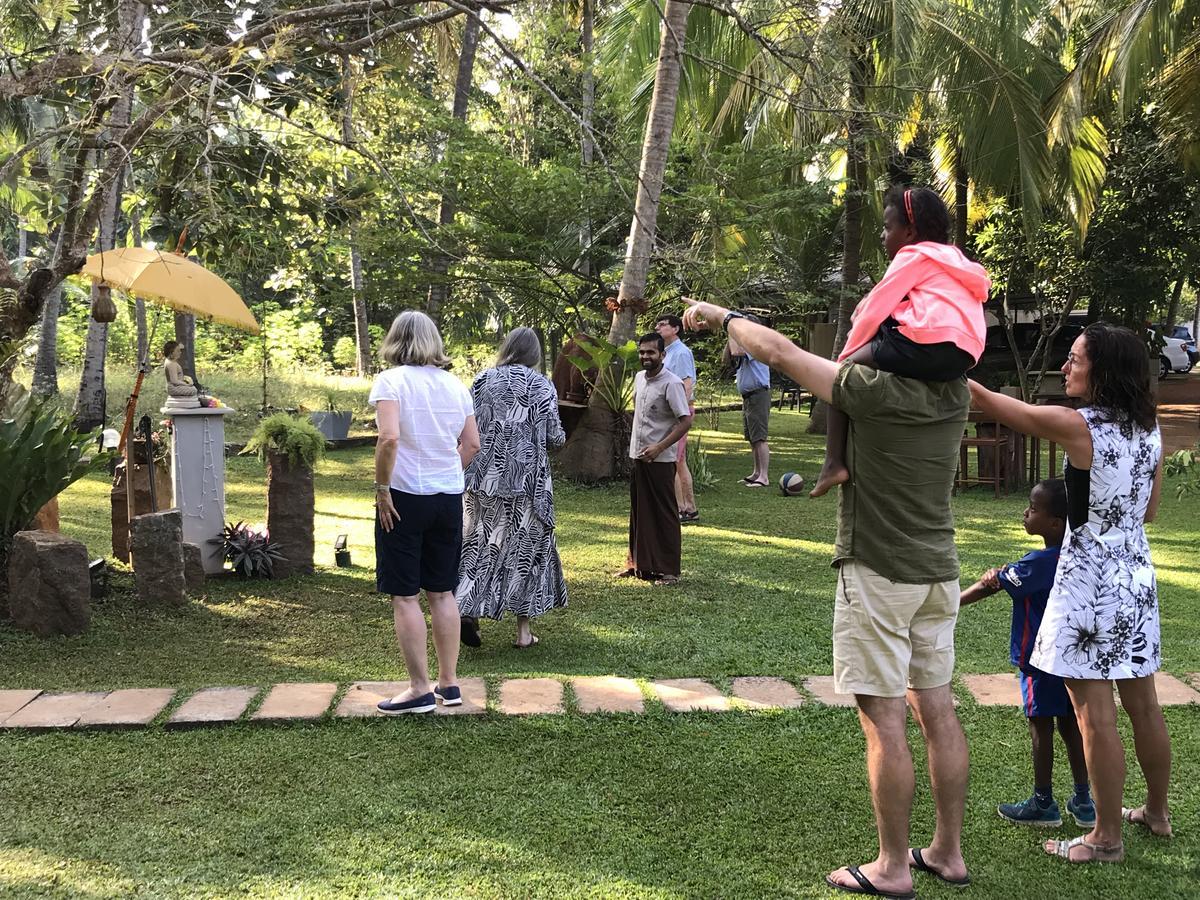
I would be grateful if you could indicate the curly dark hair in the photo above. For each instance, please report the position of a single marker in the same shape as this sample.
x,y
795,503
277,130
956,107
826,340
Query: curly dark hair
x,y
169,348
1056,495
929,214
1119,374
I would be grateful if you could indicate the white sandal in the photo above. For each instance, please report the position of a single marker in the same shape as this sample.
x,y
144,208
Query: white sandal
x,y
1099,853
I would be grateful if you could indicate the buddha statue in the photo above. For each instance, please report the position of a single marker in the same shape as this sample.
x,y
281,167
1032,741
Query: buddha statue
x,y
181,393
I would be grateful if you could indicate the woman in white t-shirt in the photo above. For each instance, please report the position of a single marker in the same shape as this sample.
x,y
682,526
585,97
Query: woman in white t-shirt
x,y
427,436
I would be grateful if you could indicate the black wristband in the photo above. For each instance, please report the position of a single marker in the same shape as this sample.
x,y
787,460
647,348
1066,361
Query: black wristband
x,y
730,315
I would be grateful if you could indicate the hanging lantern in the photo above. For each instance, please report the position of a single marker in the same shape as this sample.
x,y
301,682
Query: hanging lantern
x,y
103,308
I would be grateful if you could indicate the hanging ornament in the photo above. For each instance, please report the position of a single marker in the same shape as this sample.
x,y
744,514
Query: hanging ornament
x,y
103,308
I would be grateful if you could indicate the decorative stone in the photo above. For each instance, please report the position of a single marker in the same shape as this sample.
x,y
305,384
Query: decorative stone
x,y
157,547
1172,691
531,696
213,706
131,708
605,693
54,710
193,569
11,701
49,586
290,501
821,687
994,690
690,695
295,701
766,693
141,502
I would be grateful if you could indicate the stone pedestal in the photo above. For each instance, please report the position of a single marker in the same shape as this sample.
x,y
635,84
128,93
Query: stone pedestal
x,y
49,586
193,569
156,545
198,477
141,502
290,502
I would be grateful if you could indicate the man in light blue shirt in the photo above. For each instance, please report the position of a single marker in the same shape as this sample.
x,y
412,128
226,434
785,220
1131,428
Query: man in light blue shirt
x,y
679,361
754,384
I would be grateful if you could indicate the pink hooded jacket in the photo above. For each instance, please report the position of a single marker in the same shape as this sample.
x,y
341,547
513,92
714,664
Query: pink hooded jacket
x,y
934,292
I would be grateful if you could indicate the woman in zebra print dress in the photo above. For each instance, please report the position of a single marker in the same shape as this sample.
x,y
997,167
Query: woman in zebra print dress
x,y
510,559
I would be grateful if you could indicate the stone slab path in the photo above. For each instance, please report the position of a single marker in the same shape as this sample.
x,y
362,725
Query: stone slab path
x,y
31,709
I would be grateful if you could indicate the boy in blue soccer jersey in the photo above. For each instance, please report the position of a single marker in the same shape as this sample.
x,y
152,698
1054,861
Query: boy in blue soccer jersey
x,y
1044,696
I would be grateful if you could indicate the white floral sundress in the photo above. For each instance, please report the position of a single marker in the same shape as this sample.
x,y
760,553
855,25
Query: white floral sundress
x,y
1101,619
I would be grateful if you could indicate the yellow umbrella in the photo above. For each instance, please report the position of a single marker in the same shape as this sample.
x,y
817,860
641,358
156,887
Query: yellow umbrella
x,y
172,280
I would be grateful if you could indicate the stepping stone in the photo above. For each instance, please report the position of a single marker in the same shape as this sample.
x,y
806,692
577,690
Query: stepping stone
x,y
1194,678
213,706
54,710
766,693
690,695
821,687
531,696
11,701
295,702
606,693
994,690
1172,691
131,708
361,698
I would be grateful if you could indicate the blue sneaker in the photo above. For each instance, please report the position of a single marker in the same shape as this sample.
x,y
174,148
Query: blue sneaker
x,y
450,696
425,703
1084,812
1030,812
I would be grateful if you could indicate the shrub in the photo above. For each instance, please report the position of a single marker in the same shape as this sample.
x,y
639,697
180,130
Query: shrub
x,y
345,352
250,550
297,439
703,476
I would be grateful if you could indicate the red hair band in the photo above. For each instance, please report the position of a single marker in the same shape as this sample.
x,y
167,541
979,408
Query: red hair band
x,y
908,206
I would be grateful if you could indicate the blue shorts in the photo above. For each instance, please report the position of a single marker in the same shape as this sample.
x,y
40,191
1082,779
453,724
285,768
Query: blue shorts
x,y
1043,694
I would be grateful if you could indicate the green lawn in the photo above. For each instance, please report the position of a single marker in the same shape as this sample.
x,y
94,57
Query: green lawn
x,y
659,805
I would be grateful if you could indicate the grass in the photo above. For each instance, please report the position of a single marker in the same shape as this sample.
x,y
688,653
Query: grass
x,y
661,805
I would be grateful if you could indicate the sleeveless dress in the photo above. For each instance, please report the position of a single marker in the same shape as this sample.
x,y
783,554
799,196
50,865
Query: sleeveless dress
x,y
1101,620
510,560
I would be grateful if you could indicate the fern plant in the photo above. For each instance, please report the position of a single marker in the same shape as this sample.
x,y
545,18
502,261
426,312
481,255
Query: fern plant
x,y
41,455
296,439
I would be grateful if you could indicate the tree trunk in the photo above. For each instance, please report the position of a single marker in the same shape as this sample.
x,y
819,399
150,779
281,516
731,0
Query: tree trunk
x,y
594,447
586,112
139,305
362,335
961,185
659,125
90,404
858,185
45,370
439,286
1173,309
185,333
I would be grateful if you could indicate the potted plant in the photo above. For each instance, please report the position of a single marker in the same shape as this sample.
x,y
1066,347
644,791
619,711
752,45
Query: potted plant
x,y
250,550
332,422
290,447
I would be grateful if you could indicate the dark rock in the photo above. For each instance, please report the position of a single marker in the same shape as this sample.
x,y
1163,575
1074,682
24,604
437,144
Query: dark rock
x,y
141,502
290,502
193,569
49,585
157,549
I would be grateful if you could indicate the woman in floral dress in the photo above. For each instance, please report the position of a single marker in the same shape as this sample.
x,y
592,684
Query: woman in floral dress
x,y
510,559
1101,623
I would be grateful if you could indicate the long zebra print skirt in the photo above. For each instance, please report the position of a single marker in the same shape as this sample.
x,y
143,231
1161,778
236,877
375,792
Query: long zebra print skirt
x,y
509,559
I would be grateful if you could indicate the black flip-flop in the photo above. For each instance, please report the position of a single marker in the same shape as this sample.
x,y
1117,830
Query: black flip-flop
x,y
918,863
755,483
865,887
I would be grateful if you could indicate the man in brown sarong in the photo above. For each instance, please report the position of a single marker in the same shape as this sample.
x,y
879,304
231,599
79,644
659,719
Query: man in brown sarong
x,y
660,419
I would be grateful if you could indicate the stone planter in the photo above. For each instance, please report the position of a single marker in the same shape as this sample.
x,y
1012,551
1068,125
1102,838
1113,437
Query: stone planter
x,y
334,425
290,500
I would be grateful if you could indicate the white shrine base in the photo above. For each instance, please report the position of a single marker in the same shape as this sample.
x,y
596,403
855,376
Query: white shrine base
x,y
198,477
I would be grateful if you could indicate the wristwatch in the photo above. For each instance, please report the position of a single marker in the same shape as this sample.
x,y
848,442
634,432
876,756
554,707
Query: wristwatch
x,y
732,314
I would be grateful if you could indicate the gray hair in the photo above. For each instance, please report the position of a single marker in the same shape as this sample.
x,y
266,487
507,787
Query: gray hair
x,y
521,347
413,340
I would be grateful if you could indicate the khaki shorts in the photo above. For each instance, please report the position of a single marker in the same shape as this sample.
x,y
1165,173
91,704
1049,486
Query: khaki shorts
x,y
889,636
756,411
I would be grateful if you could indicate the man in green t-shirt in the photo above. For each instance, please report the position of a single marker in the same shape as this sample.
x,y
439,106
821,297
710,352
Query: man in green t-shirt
x,y
898,592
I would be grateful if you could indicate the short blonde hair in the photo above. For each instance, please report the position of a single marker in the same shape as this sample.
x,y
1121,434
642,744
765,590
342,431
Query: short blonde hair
x,y
413,340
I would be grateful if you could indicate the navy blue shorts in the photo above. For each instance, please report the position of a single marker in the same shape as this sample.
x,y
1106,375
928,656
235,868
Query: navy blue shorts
x,y
1043,694
423,549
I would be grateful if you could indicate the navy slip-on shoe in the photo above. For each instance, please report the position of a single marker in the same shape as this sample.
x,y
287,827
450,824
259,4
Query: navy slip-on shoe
x,y
450,696
425,703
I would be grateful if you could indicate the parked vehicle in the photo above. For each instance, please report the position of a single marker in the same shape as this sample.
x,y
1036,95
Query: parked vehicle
x,y
1175,356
